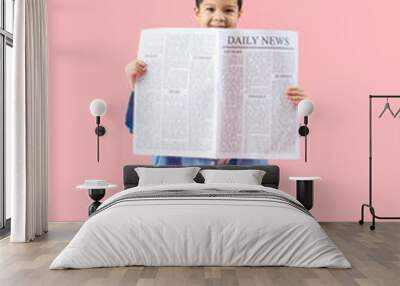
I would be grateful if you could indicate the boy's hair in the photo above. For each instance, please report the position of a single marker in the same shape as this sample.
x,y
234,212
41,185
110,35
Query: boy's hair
x,y
239,2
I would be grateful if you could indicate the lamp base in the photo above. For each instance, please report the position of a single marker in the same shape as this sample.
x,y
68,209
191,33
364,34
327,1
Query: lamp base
x,y
100,130
304,131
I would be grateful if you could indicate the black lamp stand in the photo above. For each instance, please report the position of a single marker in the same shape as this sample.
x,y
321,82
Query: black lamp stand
x,y
304,131
100,131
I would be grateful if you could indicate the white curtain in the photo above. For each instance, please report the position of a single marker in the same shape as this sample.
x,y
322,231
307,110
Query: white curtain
x,y
26,119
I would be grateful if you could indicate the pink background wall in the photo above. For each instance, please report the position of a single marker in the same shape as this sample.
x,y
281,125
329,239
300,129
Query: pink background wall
x,y
348,50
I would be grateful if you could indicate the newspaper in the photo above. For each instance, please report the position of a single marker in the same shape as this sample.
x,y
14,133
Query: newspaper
x,y
217,93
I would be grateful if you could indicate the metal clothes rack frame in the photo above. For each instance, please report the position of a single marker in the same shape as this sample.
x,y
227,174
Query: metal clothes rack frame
x,y
369,205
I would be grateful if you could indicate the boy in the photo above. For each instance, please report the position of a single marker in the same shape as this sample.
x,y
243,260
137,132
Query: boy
x,y
209,14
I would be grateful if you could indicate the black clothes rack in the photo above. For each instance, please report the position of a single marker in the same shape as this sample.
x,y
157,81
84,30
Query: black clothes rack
x,y
369,205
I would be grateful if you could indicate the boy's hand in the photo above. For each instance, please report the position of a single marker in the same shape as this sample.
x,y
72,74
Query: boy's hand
x,y
295,94
135,70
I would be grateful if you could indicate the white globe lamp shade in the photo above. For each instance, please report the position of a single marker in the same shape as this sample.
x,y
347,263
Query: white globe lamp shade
x,y
98,107
305,107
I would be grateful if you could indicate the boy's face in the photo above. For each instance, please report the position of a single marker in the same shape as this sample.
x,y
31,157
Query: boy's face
x,y
218,14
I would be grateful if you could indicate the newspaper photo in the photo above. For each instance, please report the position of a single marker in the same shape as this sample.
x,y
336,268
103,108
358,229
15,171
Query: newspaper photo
x,y
217,93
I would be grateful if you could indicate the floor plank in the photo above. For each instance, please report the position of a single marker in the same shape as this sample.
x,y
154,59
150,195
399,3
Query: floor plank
x,y
375,257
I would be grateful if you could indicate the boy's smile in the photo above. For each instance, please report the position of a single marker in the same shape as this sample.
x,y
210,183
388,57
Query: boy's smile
x,y
218,14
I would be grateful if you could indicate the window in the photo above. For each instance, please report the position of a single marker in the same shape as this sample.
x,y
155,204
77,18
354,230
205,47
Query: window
x,y
6,62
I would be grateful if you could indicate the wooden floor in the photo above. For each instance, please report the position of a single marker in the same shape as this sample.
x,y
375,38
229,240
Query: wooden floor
x,y
375,257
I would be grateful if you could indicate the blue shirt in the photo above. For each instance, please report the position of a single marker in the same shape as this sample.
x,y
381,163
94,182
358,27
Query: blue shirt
x,y
183,161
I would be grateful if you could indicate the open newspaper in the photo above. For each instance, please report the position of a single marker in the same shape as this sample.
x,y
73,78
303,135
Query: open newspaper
x,y
217,93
